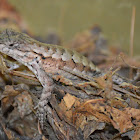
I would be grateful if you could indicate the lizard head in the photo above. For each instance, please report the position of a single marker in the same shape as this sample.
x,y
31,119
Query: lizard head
x,y
15,44
11,37
12,41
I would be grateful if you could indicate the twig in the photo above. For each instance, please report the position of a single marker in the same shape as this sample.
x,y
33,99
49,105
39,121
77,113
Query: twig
x,y
117,88
132,38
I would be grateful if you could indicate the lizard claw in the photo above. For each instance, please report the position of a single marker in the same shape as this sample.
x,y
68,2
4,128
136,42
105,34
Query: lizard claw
x,y
41,114
41,119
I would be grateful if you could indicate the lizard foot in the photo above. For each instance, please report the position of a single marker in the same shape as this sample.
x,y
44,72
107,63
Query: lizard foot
x,y
42,105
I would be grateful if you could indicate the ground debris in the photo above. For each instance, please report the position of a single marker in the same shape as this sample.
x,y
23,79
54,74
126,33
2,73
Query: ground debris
x,y
94,108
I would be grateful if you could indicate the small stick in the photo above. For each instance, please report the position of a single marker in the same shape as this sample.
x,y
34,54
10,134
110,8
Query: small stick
x,y
132,38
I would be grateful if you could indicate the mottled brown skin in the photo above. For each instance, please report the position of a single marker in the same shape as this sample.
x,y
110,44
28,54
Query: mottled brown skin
x,y
47,62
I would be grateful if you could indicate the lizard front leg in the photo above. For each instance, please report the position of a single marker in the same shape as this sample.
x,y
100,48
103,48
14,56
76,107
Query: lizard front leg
x,y
48,85
47,82
45,96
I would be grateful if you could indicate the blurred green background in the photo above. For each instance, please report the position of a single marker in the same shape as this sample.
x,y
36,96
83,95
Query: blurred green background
x,y
67,17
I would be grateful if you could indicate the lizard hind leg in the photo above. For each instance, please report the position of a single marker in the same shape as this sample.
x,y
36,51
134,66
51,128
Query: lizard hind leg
x,y
41,113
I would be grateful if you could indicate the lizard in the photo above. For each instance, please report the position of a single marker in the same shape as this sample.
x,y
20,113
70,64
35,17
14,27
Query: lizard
x,y
49,63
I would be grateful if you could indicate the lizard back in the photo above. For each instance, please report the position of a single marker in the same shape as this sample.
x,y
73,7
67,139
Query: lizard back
x,y
54,60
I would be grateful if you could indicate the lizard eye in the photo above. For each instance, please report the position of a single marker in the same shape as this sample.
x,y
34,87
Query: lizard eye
x,y
11,44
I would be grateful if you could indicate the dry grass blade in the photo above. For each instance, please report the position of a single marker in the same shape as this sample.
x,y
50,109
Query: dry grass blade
x,y
132,37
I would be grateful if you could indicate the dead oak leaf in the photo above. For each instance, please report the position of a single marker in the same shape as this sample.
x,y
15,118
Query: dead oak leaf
x,y
119,119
